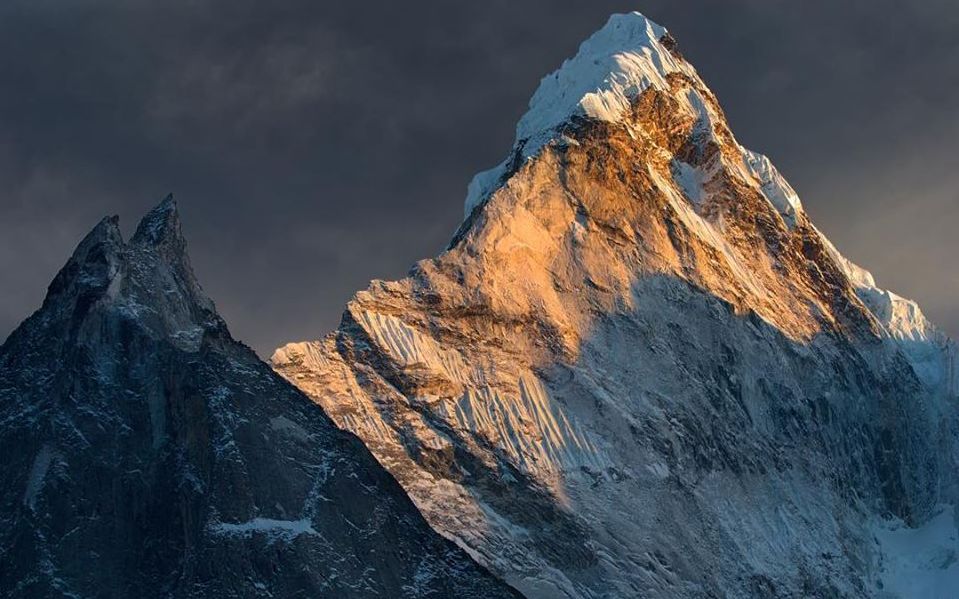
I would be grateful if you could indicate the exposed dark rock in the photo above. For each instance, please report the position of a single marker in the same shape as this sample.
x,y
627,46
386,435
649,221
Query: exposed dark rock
x,y
148,454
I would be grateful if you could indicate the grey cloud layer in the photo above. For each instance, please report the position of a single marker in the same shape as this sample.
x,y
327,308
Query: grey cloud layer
x,y
314,146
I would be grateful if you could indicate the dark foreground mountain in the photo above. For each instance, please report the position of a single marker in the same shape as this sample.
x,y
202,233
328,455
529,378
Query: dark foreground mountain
x,y
148,454
640,371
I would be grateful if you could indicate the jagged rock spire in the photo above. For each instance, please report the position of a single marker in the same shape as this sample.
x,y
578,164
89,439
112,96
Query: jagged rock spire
x,y
94,262
148,279
148,454
160,225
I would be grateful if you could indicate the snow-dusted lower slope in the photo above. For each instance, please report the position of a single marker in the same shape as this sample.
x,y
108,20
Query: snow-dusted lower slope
x,y
919,561
148,454
640,371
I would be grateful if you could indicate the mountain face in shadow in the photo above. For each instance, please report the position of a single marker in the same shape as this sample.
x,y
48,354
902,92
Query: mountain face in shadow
x,y
148,454
639,370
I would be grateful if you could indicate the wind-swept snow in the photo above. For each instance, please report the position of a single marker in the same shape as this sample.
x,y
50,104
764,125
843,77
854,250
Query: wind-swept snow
x,y
612,68
776,189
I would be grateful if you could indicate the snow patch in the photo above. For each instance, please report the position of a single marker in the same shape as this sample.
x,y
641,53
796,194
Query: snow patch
x,y
285,425
37,477
658,469
188,339
920,563
902,317
776,189
857,275
690,180
928,350
286,530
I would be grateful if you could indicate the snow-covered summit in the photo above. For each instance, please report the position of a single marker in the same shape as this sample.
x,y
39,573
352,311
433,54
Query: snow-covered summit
x,y
614,66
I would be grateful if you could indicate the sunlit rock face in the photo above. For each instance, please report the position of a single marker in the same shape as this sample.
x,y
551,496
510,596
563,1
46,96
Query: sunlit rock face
x,y
640,371
148,454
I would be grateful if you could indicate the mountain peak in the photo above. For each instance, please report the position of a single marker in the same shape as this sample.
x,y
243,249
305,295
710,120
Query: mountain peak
x,y
107,228
624,58
148,454
612,67
106,234
94,262
637,312
148,279
161,224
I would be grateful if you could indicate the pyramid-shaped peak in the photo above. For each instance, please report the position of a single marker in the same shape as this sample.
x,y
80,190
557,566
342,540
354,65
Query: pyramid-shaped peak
x,y
624,58
617,63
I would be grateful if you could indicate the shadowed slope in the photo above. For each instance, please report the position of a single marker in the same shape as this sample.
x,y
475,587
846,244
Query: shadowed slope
x,y
148,454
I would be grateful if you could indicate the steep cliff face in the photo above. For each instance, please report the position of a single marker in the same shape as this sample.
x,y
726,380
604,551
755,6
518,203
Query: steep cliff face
x,y
640,370
148,454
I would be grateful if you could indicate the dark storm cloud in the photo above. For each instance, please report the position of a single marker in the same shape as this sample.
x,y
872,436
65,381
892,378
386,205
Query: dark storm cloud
x,y
316,145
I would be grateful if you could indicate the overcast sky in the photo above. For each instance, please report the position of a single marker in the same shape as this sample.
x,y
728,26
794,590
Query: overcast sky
x,y
314,146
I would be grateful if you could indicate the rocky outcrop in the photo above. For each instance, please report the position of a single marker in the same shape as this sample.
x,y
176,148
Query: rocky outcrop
x,y
148,454
640,370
